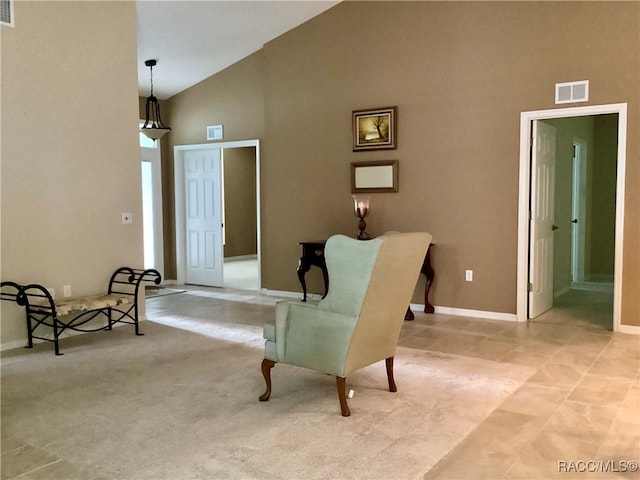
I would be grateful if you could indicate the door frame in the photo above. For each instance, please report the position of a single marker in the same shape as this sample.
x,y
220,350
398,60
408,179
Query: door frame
x,y
178,166
526,119
578,209
156,173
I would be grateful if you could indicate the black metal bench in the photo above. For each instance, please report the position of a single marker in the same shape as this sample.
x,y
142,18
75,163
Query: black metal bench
x,y
119,305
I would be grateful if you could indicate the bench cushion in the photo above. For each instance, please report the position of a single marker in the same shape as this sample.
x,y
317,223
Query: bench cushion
x,y
94,302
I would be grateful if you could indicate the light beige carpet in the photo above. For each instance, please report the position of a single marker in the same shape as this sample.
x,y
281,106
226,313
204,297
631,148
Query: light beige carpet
x,y
180,405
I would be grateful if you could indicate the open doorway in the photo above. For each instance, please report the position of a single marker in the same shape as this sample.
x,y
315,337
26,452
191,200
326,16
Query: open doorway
x,y
603,130
583,231
241,217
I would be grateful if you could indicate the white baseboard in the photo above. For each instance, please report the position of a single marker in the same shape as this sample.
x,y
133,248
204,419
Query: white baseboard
x,y
464,312
629,329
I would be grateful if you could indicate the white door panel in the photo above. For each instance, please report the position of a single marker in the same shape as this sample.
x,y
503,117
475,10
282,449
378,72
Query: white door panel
x,y
543,167
203,210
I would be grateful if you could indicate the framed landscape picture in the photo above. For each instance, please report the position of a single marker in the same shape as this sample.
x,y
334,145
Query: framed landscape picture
x,y
374,129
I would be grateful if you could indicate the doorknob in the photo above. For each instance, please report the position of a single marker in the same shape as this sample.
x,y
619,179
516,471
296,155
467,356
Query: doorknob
x,y
554,227
575,220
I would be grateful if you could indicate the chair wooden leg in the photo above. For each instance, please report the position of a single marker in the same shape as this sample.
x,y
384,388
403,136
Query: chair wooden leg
x,y
392,383
266,366
342,396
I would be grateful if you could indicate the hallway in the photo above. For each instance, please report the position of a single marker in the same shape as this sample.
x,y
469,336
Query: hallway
x,y
581,308
241,273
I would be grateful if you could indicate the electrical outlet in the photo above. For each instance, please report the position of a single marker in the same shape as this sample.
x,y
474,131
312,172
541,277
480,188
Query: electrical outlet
x,y
468,275
127,218
67,291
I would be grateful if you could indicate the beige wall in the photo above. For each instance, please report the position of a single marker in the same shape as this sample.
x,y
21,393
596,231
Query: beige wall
x,y
460,74
70,155
234,98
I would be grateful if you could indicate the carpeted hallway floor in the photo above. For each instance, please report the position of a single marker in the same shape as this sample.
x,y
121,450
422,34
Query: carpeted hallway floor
x,y
476,399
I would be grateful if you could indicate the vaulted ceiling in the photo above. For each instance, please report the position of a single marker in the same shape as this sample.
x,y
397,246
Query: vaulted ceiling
x,y
192,40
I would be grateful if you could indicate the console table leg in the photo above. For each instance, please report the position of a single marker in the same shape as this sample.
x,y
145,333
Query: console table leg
x,y
428,308
303,268
409,315
325,276
427,269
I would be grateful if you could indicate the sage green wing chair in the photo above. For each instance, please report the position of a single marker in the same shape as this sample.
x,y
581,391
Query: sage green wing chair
x,y
358,322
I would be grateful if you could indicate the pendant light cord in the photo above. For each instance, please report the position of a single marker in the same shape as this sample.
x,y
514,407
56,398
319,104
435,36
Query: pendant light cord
x,y
151,67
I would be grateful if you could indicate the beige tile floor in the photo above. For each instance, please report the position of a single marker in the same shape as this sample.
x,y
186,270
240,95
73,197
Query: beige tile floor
x,y
578,416
580,407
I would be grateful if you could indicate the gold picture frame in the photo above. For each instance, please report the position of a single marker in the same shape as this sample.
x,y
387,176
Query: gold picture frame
x,y
374,129
374,177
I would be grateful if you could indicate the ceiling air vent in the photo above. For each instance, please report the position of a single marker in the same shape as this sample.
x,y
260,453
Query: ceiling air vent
x,y
214,132
572,92
6,12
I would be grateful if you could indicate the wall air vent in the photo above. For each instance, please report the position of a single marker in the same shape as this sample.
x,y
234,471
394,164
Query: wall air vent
x,y
214,132
6,12
571,92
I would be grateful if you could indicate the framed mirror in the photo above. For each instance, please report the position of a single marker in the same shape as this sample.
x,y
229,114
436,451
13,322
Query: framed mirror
x,y
374,177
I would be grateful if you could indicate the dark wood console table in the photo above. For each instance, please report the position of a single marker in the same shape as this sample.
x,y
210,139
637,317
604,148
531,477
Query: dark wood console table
x,y
313,255
430,274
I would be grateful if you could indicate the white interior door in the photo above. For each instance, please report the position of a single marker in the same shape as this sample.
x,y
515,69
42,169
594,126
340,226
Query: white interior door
x,y
180,153
543,174
203,218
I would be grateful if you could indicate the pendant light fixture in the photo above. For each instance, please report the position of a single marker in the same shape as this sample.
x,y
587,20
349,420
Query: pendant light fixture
x,y
153,126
